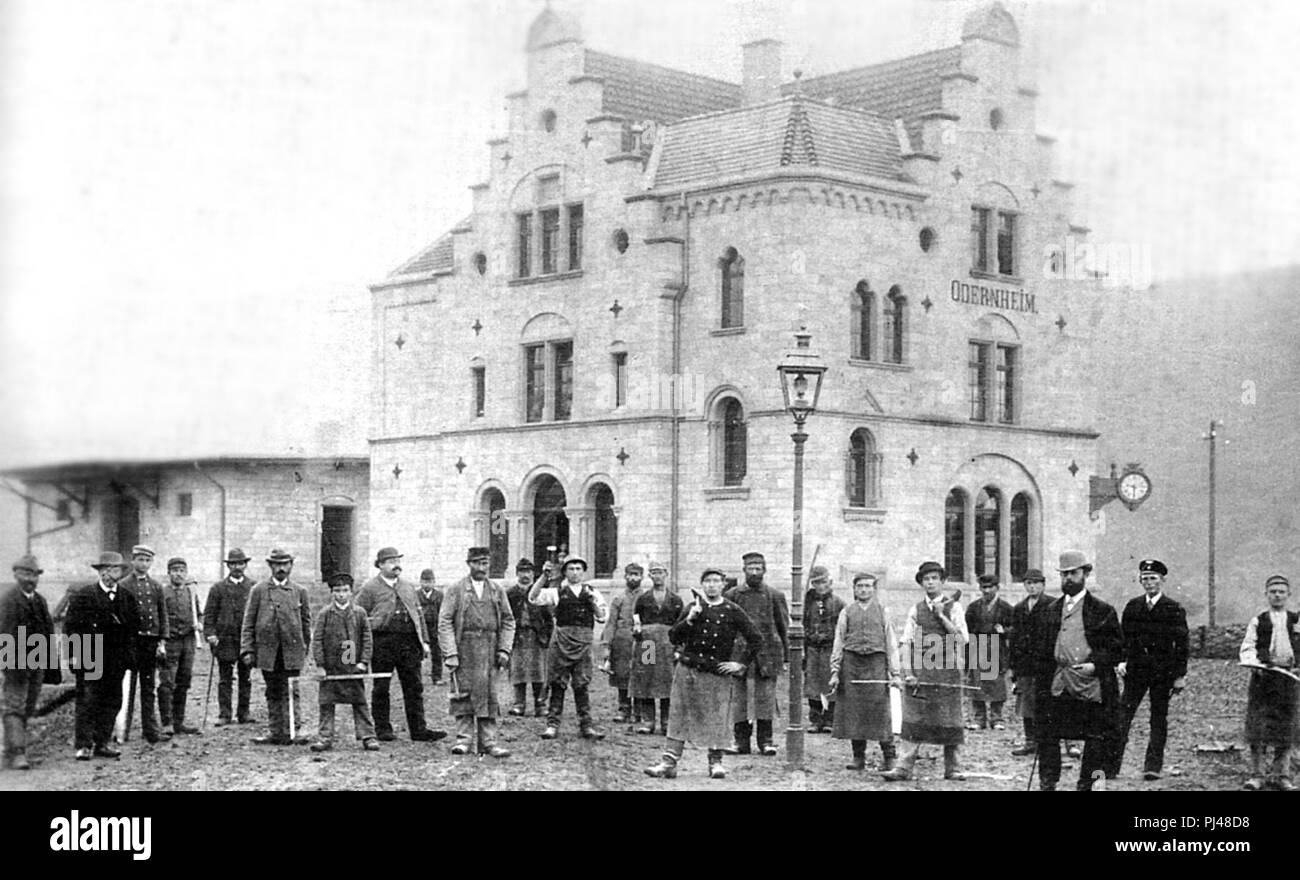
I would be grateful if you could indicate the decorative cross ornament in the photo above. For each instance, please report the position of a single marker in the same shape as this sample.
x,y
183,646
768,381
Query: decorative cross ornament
x,y
616,308
956,175
622,456
912,456
587,138
928,305
1060,323
506,157
397,471
460,465
1073,468
1035,190
399,342
476,326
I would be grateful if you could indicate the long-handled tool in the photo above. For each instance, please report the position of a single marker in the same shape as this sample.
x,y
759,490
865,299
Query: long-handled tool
x,y
1032,768
130,706
354,676
292,681
207,700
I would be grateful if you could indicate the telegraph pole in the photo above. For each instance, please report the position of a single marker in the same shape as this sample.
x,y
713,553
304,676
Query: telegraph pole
x,y
1214,426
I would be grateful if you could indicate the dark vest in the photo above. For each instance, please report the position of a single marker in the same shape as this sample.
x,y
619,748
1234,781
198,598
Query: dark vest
x,y
930,629
1264,636
819,618
864,629
577,610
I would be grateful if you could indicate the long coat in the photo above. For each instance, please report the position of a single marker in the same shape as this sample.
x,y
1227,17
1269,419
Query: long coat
x,y
1155,639
1065,717
767,610
341,634
32,615
1025,634
474,648
91,613
277,618
223,615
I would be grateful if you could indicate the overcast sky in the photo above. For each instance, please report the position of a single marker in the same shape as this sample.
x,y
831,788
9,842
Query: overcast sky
x,y
195,195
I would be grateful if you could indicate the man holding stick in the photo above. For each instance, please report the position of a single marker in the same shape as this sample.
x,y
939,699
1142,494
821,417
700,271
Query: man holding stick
x,y
1272,646
24,614
102,609
821,613
864,657
342,645
1026,619
223,620
578,607
276,635
766,607
184,629
151,641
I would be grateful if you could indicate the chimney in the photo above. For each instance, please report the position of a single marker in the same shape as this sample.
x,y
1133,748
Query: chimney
x,y
762,71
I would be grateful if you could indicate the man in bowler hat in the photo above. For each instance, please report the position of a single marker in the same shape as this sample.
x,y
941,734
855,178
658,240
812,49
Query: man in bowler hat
x,y
275,636
223,618
24,616
101,609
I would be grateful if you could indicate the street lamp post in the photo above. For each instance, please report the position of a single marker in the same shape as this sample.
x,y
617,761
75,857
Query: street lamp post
x,y
801,372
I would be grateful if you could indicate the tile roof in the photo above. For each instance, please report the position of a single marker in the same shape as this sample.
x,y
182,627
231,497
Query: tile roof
x,y
437,257
638,90
767,137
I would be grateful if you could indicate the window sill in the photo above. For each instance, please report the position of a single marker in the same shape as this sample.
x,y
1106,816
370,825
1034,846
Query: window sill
x,y
864,514
1016,280
995,423
542,279
727,493
880,365
727,331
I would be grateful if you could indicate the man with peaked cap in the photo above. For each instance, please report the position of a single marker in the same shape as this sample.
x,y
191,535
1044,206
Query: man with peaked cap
x,y
1155,660
476,629
151,642
1272,647
617,640
223,619
401,643
430,598
988,620
184,628
101,609
276,636
651,678
864,657
25,621
933,647
533,625
821,612
1080,643
715,641
578,607
767,608
1026,620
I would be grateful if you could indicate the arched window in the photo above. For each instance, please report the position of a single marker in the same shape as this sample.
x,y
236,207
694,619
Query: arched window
x,y
734,442
862,319
988,541
895,324
550,521
954,534
498,527
863,473
1019,536
732,265
605,539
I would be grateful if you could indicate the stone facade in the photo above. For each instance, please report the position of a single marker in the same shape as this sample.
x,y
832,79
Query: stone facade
x,y
816,195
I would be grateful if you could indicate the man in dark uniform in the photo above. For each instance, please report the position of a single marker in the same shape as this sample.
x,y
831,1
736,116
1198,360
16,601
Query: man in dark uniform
x,y
276,636
988,619
1155,660
617,640
1080,644
430,598
184,623
821,613
25,619
223,618
766,607
151,643
102,609
1026,618
401,643
532,637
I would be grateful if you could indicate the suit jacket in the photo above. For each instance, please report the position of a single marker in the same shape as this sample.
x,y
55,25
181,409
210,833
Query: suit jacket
x,y
368,599
277,618
91,613
532,622
223,616
153,607
767,610
1026,630
1105,641
983,620
1155,639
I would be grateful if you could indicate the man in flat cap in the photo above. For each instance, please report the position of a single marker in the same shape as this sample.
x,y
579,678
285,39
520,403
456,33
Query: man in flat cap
x,y
767,608
533,625
102,609
24,620
476,630
401,643
651,678
430,599
988,619
821,612
223,620
276,636
1155,660
1080,643
616,639
578,607
151,643
184,629
864,658
932,649
1026,622
1272,648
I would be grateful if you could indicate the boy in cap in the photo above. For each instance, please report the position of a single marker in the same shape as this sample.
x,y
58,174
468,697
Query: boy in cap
x,y
184,627
341,644
1272,645
1026,622
577,607
707,638
766,607
617,640
275,637
430,599
1155,660
863,657
988,619
223,618
532,636
24,615
151,641
821,612
933,647
101,609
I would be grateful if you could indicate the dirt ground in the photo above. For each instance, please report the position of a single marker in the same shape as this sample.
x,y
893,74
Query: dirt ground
x,y
1210,711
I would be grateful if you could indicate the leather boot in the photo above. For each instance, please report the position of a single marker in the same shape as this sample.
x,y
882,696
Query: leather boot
x,y
888,755
859,755
716,770
741,731
665,769
765,745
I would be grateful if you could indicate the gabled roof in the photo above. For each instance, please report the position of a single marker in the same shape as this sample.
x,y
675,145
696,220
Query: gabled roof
x,y
767,137
638,90
437,257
